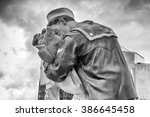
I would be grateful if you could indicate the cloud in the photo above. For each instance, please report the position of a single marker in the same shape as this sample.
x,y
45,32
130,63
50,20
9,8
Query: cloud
x,y
13,84
25,14
15,91
21,83
23,94
2,74
8,10
3,53
139,10
137,4
14,50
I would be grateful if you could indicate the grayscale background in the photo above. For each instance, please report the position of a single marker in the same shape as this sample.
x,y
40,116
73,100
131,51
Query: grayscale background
x,y
21,19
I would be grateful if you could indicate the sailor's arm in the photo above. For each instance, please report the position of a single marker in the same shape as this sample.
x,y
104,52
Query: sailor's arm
x,y
65,61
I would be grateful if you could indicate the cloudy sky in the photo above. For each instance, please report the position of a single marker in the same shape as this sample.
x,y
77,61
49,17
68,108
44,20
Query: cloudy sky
x,y
21,19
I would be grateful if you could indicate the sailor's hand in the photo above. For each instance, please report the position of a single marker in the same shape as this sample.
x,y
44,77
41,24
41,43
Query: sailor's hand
x,y
35,40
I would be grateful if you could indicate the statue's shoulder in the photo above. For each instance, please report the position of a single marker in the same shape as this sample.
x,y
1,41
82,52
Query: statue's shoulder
x,y
72,34
92,30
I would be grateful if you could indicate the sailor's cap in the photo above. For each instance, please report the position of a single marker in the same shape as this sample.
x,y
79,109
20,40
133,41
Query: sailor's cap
x,y
59,12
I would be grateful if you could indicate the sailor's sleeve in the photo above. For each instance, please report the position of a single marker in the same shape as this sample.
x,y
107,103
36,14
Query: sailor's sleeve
x,y
65,61
120,72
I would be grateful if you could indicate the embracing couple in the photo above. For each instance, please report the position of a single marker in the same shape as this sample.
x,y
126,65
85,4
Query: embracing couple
x,y
83,59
